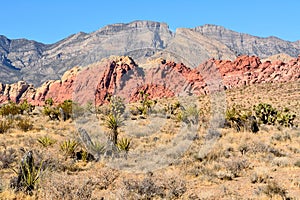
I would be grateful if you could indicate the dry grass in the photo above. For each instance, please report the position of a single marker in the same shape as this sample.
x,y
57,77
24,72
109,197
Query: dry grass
x,y
235,165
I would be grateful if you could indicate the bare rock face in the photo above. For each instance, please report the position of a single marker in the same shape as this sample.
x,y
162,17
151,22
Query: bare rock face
x,y
120,75
37,63
245,44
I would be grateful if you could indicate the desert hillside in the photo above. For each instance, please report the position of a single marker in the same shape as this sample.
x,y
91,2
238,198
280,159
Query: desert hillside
x,y
119,129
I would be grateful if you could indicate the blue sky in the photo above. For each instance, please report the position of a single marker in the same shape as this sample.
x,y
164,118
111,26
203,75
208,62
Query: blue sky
x,y
50,21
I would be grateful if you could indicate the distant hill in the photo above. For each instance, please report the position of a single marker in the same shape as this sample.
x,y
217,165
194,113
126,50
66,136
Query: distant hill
x,y
35,63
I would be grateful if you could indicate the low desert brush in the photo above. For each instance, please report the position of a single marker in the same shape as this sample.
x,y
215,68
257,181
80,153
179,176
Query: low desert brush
x,y
25,124
4,126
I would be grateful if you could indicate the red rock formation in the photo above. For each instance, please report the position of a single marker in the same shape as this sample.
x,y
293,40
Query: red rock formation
x,y
122,77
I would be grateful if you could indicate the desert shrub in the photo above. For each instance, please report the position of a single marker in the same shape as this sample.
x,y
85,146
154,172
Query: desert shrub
x,y
259,177
145,189
10,108
146,105
28,175
236,166
46,141
5,125
117,105
241,119
7,157
272,189
51,111
188,115
286,119
265,113
281,137
269,115
25,124
69,147
65,109
57,188
281,161
25,107
176,188
154,188
297,163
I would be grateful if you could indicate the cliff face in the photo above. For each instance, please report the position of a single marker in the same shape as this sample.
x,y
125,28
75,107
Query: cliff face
x,y
36,63
245,44
123,77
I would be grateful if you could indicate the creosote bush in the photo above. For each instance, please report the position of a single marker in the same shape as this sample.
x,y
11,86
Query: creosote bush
x,y
63,111
25,124
5,125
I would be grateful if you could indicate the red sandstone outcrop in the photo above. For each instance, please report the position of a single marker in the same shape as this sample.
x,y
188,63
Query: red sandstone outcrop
x,y
121,76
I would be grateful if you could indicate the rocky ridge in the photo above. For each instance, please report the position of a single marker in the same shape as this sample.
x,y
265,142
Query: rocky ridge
x,y
123,77
36,63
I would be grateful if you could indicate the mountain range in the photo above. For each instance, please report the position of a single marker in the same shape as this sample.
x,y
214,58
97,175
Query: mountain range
x,y
35,62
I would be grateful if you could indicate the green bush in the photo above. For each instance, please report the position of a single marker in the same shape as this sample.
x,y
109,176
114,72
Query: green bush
x,y
52,113
241,119
10,108
286,119
66,109
266,113
269,115
25,124
63,111
25,107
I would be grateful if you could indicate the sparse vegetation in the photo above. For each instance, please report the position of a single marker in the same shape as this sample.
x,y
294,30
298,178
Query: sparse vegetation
x,y
266,163
25,124
4,125
7,158
46,141
272,189
69,147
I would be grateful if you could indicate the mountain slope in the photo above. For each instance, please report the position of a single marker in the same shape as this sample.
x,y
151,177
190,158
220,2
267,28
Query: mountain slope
x,y
245,44
36,63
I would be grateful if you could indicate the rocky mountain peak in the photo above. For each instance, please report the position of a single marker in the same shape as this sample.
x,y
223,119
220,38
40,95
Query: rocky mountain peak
x,y
36,63
139,24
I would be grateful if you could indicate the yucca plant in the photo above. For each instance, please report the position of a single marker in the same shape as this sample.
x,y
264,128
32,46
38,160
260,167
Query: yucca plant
x,y
98,147
28,175
69,147
113,122
124,144
46,141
